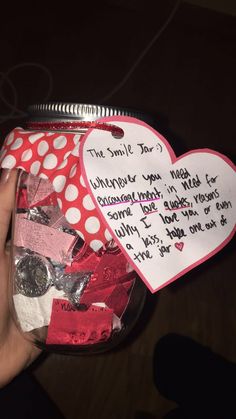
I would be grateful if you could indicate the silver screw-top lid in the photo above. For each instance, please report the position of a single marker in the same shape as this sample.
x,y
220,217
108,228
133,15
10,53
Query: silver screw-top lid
x,y
80,111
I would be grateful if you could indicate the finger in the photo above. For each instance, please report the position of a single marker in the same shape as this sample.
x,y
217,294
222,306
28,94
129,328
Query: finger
x,y
7,199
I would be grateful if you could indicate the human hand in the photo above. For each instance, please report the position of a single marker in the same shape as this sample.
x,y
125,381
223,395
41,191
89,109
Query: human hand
x,y
16,353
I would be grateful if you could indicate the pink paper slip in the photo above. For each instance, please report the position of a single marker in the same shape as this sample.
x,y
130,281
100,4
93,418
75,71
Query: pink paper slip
x,y
42,239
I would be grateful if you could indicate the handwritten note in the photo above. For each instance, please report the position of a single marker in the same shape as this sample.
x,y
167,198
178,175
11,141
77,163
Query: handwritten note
x,y
41,239
167,214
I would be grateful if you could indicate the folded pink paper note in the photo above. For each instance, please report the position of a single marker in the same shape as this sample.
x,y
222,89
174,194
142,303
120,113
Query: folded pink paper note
x,y
44,240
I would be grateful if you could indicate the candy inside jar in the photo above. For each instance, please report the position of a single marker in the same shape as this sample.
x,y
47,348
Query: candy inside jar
x,y
68,295
64,293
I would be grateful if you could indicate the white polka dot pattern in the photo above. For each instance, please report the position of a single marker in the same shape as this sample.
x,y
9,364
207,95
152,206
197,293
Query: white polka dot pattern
x,y
75,151
35,137
96,244
62,165
10,138
73,215
73,171
92,225
71,193
59,203
50,161
59,142
82,181
43,148
67,155
59,183
88,203
76,138
80,234
43,176
17,144
34,168
27,155
108,235
56,157
9,162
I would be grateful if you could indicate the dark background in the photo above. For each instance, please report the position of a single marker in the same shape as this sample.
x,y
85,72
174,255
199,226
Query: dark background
x,y
187,80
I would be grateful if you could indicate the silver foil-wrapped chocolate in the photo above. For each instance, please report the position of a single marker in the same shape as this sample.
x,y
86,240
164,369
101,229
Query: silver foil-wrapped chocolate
x,y
73,284
33,275
38,215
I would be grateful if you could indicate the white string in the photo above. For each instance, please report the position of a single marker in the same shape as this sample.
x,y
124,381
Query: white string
x,y
142,55
14,111
5,78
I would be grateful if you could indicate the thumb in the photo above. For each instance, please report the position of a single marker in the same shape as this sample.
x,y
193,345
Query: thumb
x,y
7,198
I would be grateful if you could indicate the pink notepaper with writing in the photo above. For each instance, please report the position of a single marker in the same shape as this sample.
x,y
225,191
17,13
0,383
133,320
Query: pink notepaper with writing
x,y
44,240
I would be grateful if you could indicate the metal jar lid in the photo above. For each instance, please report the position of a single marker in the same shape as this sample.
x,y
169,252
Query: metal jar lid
x,y
80,112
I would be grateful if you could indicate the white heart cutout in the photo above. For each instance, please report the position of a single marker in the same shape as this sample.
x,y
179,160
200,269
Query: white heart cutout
x,y
168,214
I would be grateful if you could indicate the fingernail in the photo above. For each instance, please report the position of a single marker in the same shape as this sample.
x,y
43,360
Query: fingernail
x,y
4,176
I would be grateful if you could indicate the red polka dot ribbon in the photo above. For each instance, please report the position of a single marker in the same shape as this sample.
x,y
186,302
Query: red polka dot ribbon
x,y
55,156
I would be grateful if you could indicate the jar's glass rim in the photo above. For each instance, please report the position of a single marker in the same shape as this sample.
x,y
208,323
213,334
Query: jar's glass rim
x,y
80,111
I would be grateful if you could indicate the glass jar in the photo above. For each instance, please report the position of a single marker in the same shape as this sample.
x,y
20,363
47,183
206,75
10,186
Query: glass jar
x,y
69,293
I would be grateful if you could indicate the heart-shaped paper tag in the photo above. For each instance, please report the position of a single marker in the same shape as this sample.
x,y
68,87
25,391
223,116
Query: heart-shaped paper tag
x,y
167,214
